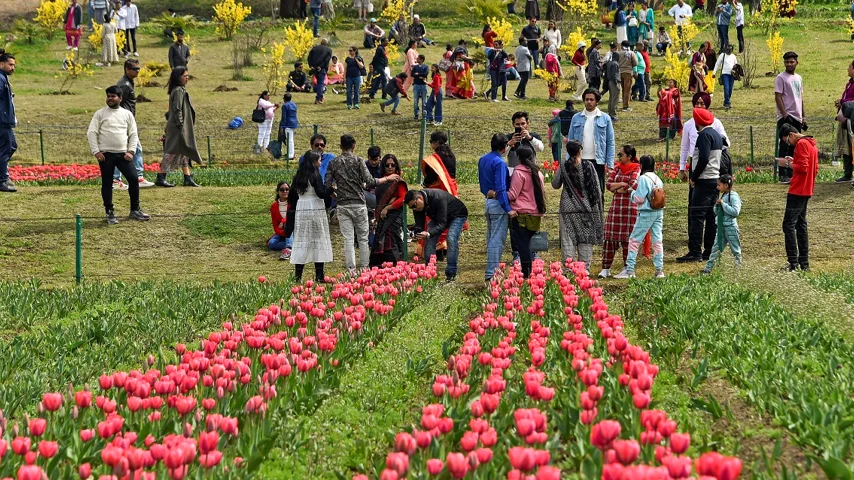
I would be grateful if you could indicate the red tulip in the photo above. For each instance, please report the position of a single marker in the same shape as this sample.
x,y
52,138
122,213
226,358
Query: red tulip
x,y
679,442
210,459
48,449
399,462
489,438
85,471
4,445
52,401
604,432
83,398
522,458
677,467
469,441
262,279
21,445
37,426
208,441
627,451
457,464
406,443
548,473
30,472
389,474
434,466
730,468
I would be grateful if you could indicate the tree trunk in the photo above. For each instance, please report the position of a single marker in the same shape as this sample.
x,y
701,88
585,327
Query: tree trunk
x,y
554,12
289,8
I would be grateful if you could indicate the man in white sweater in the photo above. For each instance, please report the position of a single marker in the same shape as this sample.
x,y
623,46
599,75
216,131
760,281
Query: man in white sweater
x,y
112,140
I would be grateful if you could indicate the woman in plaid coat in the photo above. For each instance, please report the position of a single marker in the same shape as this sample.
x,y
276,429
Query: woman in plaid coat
x,y
622,213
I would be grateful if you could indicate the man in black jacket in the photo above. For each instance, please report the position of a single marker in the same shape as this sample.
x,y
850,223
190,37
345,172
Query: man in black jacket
x,y
318,62
565,116
446,212
612,79
8,144
376,72
594,67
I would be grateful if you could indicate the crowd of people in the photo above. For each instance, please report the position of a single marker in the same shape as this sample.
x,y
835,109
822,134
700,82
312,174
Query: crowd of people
x,y
112,17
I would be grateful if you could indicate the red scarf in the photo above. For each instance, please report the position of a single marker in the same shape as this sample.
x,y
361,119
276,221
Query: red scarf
x,y
627,168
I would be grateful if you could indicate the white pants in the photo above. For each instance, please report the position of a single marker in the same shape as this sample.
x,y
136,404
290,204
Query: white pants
x,y
353,221
580,81
289,133
264,130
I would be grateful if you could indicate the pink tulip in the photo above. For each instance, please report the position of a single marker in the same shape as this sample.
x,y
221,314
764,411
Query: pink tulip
x,y
30,472
679,442
457,464
37,426
48,449
434,466
52,401
85,471
21,445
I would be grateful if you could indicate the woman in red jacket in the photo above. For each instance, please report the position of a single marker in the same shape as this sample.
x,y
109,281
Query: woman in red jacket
x,y
279,214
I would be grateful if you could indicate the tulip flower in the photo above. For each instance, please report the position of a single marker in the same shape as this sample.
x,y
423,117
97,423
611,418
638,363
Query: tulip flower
x,y
434,466
30,472
52,401
457,464
21,445
48,449
679,442
85,471
37,426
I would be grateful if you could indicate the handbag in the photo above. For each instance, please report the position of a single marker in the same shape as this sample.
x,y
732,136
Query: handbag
x,y
540,242
633,22
649,35
258,115
445,64
370,7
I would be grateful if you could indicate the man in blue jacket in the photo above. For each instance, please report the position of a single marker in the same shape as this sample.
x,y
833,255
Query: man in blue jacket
x,y
289,124
8,145
493,176
595,132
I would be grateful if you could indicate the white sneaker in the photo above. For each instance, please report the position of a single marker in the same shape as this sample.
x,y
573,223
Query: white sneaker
x,y
99,64
624,274
143,183
659,274
68,47
119,185
135,54
74,49
437,124
605,273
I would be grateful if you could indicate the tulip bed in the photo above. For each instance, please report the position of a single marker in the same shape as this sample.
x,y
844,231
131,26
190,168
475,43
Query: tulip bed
x,y
205,414
521,402
796,369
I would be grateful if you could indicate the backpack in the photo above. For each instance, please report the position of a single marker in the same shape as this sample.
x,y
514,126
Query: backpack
x,y
657,198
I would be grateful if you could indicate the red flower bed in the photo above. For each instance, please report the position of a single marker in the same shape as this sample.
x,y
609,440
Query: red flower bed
x,y
67,173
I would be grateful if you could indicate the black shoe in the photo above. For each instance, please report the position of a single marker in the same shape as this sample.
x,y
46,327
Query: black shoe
x,y
139,215
450,278
111,218
189,182
161,181
805,268
8,187
790,268
689,258
843,179
785,181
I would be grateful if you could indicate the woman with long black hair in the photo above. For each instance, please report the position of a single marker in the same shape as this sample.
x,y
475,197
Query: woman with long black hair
x,y
179,145
527,198
581,224
307,220
388,238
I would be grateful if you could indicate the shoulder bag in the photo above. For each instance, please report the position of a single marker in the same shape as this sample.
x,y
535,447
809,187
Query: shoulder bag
x,y
258,115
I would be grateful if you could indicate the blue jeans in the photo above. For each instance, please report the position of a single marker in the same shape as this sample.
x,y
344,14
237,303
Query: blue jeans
x,y
723,34
454,231
137,164
513,74
8,146
647,221
315,12
433,109
354,84
496,235
320,86
419,96
640,87
729,81
395,99
276,242
498,80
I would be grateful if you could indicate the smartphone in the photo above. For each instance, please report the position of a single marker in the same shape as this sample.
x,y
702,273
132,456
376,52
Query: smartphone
x,y
518,131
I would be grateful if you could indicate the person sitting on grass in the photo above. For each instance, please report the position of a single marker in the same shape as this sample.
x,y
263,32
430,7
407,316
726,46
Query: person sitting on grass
x,y
298,80
729,205
394,90
279,216
112,139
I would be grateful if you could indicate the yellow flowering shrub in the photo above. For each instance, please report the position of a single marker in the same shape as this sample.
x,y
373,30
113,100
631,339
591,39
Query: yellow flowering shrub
x,y
50,14
299,39
571,43
775,48
850,26
502,28
579,8
228,15
96,38
274,68
74,69
145,77
394,8
676,68
689,32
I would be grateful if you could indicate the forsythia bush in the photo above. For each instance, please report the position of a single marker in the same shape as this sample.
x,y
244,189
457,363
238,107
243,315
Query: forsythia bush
x,y
73,71
156,68
503,29
851,28
299,39
689,32
775,48
394,8
579,8
50,14
677,68
96,38
571,43
274,68
229,14
145,76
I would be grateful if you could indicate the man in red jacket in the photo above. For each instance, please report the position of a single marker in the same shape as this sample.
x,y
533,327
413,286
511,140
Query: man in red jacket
x,y
805,167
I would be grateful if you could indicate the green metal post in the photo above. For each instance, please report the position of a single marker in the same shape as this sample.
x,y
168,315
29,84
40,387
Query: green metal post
x,y
405,235
41,143
209,150
78,249
667,146
372,136
315,129
421,145
751,145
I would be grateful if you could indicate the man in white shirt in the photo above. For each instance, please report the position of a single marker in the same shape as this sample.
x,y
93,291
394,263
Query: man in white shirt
x,y
681,14
113,139
739,23
725,63
595,132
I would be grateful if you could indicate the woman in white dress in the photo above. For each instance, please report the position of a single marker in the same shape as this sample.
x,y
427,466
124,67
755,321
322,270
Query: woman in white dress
x,y
109,51
310,227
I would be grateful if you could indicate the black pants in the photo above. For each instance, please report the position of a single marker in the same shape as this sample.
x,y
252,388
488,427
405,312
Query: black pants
x,y
523,83
786,150
522,236
847,166
379,82
600,172
594,83
795,231
302,9
613,97
498,79
701,213
740,32
111,162
318,272
130,34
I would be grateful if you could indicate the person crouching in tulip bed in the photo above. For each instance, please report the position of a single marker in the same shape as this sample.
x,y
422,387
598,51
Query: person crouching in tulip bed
x,y
445,211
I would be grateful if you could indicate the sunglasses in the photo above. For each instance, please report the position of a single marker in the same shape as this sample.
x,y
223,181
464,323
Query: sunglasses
x,y
319,145
390,165
135,69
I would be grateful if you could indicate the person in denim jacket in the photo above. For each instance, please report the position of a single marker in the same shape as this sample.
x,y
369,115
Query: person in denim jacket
x,y
597,138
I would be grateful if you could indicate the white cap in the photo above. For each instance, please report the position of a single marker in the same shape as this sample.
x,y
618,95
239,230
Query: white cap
x,y
581,44
416,17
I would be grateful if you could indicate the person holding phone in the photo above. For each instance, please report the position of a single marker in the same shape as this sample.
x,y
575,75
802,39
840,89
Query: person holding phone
x,y
804,167
521,136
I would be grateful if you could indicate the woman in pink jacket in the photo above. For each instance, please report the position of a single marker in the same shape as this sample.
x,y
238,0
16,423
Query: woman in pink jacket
x,y
528,202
